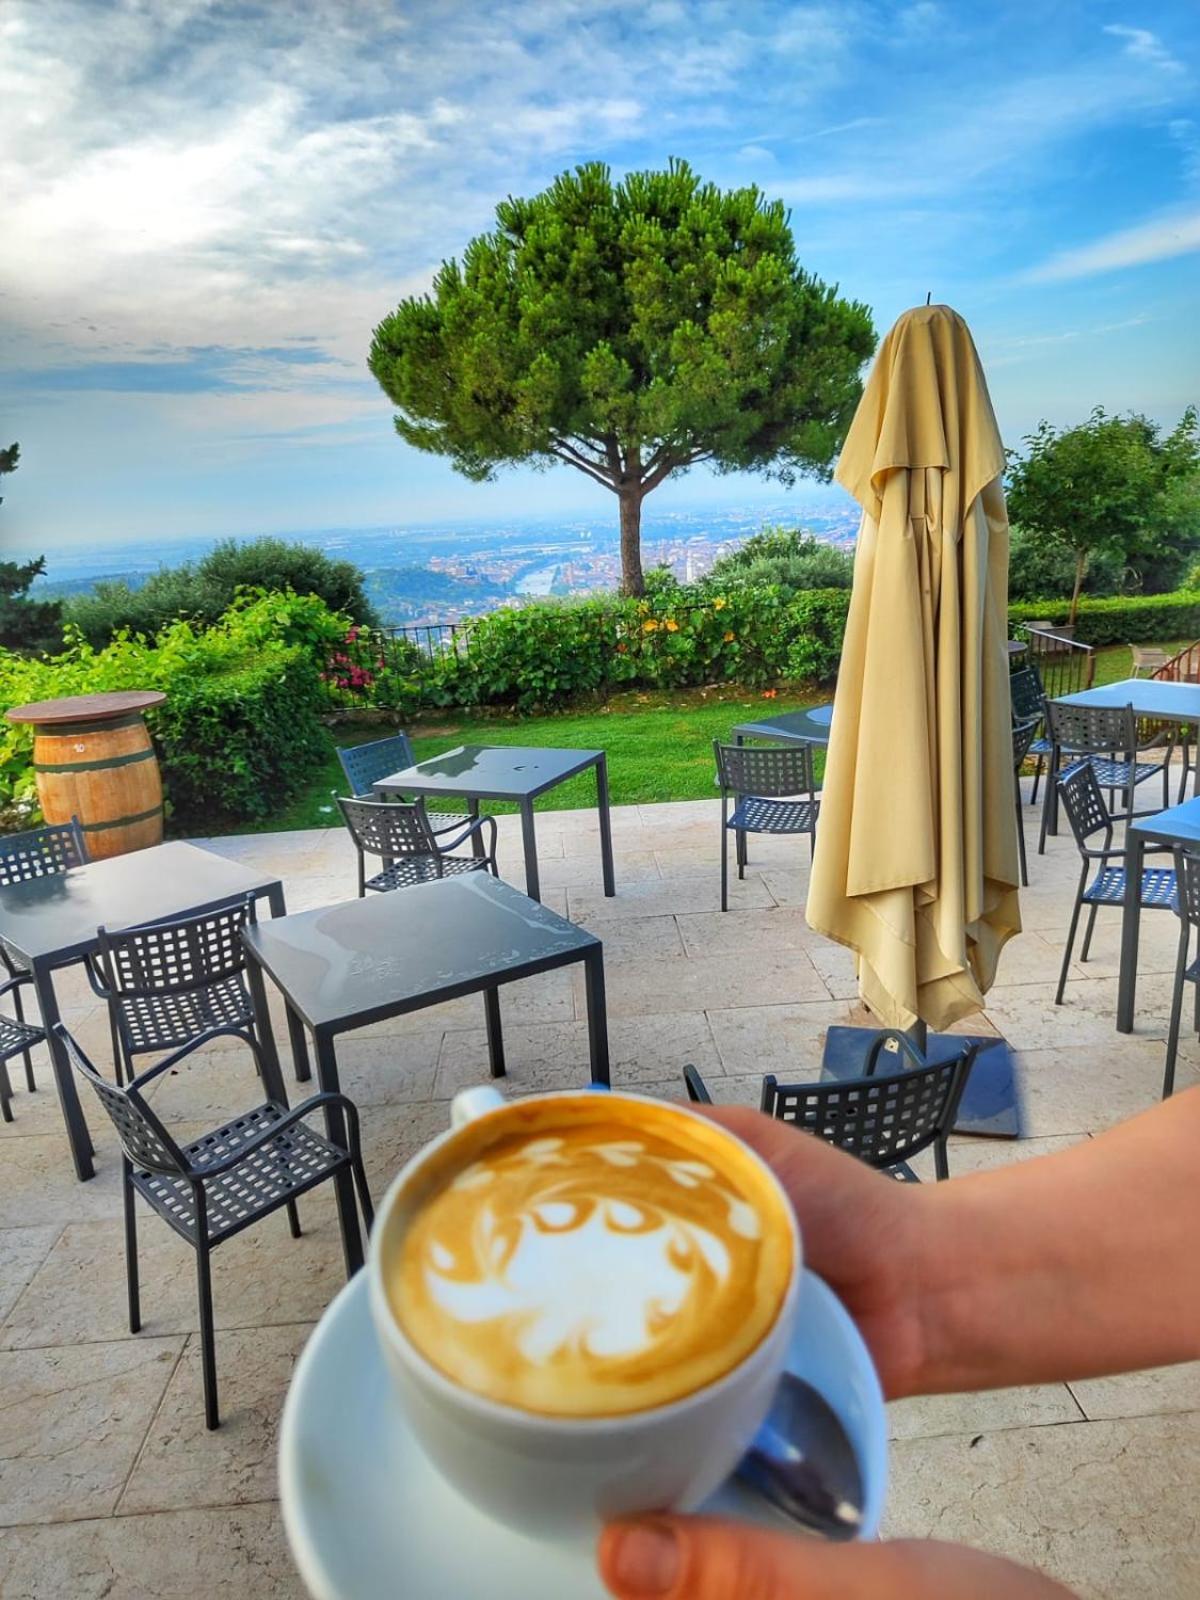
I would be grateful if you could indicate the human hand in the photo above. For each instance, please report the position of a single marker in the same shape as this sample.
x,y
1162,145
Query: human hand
x,y
697,1558
864,1233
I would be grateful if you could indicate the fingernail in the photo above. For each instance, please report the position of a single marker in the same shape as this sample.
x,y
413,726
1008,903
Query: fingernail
x,y
645,1560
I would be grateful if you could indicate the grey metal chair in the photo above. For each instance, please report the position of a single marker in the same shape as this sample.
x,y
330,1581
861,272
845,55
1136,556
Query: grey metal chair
x,y
1106,739
1029,703
365,764
883,1118
399,833
217,1186
1024,738
37,853
1087,814
177,983
17,1038
773,789
1187,909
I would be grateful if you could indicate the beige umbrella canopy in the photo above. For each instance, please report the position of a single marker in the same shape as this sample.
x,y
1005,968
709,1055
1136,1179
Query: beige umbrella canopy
x,y
916,858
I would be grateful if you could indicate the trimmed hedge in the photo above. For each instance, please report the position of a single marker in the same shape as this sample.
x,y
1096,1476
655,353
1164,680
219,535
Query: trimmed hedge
x,y
240,730
1123,619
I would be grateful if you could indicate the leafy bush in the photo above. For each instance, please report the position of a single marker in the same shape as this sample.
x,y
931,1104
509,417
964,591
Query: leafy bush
x,y
240,729
1122,619
1039,566
790,558
203,592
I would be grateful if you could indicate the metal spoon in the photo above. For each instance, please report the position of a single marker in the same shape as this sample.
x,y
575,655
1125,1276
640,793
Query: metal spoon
x,y
803,1463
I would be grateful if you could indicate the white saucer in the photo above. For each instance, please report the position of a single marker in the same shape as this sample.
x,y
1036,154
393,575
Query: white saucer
x,y
369,1518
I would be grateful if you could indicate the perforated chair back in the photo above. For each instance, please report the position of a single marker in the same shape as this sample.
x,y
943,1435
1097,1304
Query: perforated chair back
x,y
1187,882
143,1138
1081,798
365,764
389,830
1092,730
42,852
883,1120
1024,733
765,770
178,956
1028,697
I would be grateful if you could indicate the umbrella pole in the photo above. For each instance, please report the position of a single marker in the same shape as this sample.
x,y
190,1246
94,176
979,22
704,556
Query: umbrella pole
x,y
919,1034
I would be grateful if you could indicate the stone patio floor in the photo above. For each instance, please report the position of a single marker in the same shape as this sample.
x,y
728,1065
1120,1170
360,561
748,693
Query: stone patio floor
x,y
109,1484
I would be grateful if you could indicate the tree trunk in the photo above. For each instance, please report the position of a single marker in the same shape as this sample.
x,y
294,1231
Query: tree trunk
x,y
632,580
1081,558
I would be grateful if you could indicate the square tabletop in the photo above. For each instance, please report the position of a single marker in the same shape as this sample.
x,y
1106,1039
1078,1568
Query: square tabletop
x,y
1176,825
490,772
803,727
58,915
1149,697
365,960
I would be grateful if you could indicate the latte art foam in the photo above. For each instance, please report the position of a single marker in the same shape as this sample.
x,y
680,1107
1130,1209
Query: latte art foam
x,y
591,1262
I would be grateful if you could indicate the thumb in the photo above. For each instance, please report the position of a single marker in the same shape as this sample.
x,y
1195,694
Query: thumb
x,y
695,1558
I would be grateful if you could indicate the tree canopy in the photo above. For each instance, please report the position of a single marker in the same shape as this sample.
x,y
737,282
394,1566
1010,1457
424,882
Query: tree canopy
x,y
1112,488
792,558
630,330
25,624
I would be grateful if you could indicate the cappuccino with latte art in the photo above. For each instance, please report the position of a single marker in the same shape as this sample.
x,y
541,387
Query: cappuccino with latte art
x,y
590,1256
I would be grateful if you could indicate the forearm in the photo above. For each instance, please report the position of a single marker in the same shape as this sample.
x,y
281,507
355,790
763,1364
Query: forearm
x,y
1066,1266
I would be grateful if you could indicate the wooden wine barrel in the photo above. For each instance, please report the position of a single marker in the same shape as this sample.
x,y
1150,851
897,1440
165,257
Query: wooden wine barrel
x,y
94,760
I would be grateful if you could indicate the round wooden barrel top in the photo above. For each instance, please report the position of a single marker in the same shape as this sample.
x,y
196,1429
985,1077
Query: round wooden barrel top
x,y
87,707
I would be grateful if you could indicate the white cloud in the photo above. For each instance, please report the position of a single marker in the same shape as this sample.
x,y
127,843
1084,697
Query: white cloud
x,y
1146,48
1175,233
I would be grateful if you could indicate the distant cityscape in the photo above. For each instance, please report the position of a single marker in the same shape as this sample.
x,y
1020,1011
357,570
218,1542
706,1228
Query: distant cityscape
x,y
439,573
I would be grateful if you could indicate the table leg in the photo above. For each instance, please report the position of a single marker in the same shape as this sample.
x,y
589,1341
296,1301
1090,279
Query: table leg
x,y
78,1136
335,1127
529,840
597,1014
495,1034
295,1027
272,1073
1135,851
606,850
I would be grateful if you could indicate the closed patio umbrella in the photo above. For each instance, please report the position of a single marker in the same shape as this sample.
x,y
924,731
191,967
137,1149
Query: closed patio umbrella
x,y
916,856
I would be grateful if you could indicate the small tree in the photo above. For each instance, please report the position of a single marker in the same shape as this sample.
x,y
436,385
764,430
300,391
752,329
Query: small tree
x,y
1110,487
630,330
25,624
790,557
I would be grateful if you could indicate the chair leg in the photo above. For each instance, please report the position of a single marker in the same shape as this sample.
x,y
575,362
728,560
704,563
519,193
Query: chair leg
x,y
131,1257
19,1008
1176,1013
1087,938
293,1217
208,1354
1062,977
743,854
941,1162
1021,840
365,1204
1037,778
352,1250
724,868
5,1093
1048,801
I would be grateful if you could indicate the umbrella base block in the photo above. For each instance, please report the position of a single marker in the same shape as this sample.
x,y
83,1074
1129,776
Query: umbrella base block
x,y
990,1105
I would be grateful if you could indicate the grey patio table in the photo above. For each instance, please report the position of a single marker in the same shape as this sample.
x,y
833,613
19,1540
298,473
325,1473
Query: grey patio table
x,y
1178,825
342,967
790,727
1150,697
509,772
51,923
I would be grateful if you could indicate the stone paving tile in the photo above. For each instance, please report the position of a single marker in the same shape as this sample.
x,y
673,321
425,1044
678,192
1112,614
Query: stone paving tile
x,y
1029,1019
784,1039
718,933
181,1463
750,978
1157,1391
550,1055
671,896
38,1183
234,1553
261,1278
22,1251
1096,1505
934,1415
641,938
71,1424
580,872
1086,1088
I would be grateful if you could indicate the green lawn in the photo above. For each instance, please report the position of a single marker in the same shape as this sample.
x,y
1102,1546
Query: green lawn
x,y
659,744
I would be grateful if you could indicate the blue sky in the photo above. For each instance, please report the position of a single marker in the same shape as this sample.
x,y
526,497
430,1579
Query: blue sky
x,y
208,206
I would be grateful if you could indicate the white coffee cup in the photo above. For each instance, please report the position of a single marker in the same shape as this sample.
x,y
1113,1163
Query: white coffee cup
x,y
561,1476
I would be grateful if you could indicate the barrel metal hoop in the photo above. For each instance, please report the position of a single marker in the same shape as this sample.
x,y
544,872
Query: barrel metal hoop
x,y
95,766
74,730
122,822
